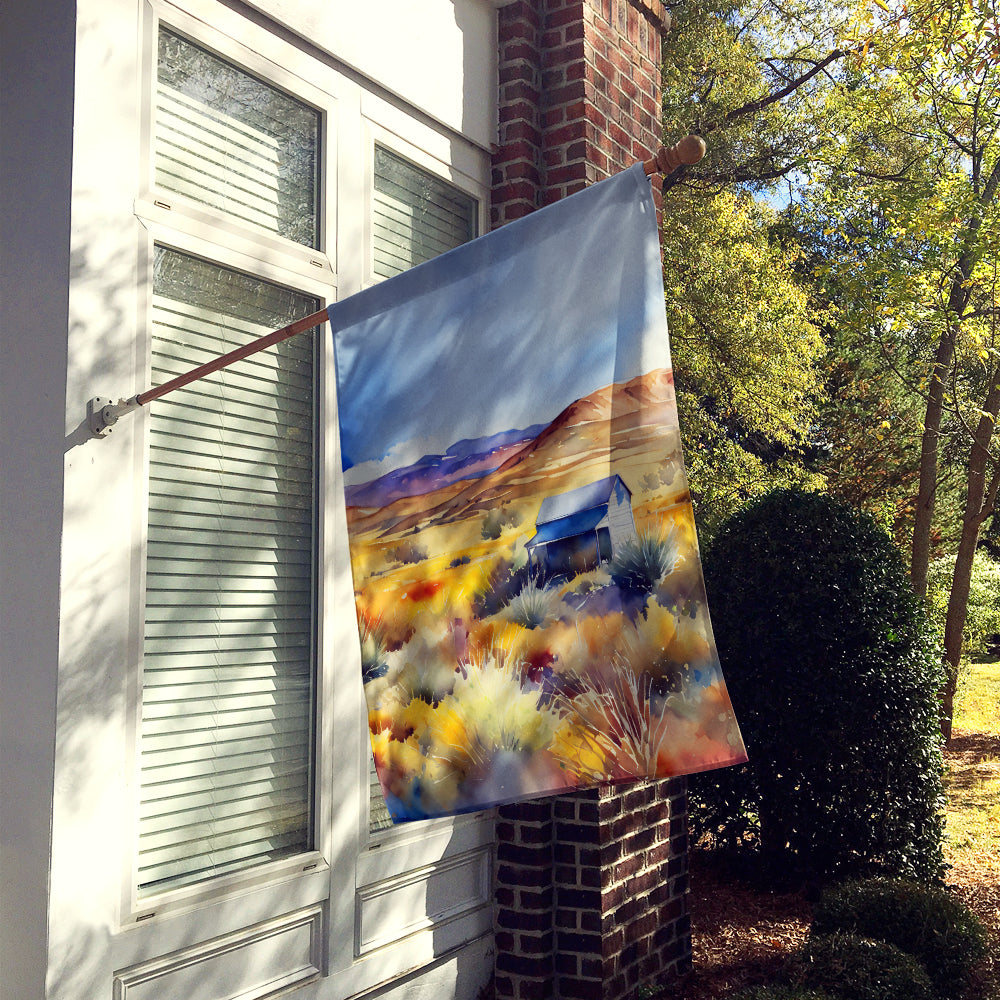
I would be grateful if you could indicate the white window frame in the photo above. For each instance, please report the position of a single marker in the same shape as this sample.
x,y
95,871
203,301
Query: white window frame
x,y
350,869
179,224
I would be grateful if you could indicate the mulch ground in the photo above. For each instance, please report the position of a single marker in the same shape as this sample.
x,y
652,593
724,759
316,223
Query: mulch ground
x,y
742,934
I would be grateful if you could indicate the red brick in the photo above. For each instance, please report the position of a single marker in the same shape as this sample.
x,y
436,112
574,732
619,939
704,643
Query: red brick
x,y
531,899
568,133
518,10
567,174
567,964
555,77
554,157
514,875
511,152
579,942
540,989
570,14
523,129
517,49
642,883
532,944
533,856
537,966
518,111
568,53
520,90
553,117
520,920
573,988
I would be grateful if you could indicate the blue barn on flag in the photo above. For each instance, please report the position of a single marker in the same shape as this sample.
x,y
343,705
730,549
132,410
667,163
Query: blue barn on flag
x,y
582,528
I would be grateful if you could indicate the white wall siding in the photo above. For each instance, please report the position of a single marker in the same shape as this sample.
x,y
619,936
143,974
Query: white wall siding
x,y
77,242
36,107
415,50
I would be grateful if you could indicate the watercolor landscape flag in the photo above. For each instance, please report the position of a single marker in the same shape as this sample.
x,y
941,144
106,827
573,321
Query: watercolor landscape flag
x,y
529,593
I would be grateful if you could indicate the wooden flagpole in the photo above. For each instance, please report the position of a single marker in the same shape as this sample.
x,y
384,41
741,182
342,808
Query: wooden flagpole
x,y
102,413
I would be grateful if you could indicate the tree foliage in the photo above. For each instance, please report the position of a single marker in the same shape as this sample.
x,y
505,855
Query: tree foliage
x,y
910,185
747,355
879,124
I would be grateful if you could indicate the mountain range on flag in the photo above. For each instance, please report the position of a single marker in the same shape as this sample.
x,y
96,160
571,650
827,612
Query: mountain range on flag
x,y
530,603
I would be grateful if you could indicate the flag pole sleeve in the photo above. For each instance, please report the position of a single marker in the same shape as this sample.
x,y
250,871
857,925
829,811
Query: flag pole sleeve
x,y
668,158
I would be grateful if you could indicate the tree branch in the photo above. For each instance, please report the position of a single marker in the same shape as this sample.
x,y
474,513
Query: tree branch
x,y
753,107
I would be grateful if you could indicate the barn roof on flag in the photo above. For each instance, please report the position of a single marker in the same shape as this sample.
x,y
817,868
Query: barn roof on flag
x,y
567,527
582,498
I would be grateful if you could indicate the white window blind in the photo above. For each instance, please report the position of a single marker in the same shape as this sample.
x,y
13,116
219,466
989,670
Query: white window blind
x,y
416,216
228,687
228,140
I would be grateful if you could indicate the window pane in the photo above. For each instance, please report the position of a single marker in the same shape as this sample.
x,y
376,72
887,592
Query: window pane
x,y
228,140
228,678
416,216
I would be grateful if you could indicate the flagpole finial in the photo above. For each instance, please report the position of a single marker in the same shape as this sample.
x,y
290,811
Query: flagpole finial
x,y
668,158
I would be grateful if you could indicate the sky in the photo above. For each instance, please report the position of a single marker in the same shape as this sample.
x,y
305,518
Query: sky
x,y
503,332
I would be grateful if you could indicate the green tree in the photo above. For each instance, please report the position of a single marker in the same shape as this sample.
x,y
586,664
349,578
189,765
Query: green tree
x,y
747,76
747,356
910,179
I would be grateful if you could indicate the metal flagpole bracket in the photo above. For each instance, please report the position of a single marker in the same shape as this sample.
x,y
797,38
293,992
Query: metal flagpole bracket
x,y
103,413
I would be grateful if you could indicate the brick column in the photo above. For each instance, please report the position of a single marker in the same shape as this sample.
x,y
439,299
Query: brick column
x,y
579,96
591,887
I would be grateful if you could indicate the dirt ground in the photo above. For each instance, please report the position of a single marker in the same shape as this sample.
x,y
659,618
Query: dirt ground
x,y
742,935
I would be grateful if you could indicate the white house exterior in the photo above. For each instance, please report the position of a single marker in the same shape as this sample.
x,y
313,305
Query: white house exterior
x,y
186,806
106,240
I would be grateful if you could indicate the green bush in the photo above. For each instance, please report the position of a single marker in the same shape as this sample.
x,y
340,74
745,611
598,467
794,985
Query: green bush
x,y
983,611
856,968
833,673
782,993
925,922
534,606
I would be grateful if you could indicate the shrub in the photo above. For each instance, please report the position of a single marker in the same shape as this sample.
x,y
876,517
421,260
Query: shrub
x,y
408,552
782,993
534,606
492,525
857,968
642,562
504,581
925,922
834,674
982,620
374,662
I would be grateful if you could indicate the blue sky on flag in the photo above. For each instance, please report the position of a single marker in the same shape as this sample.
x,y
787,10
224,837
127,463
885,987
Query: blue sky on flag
x,y
456,373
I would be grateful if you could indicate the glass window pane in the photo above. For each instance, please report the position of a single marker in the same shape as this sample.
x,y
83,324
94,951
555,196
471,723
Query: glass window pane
x,y
416,215
228,683
231,141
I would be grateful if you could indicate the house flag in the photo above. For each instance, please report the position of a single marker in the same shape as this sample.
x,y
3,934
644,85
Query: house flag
x,y
529,593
